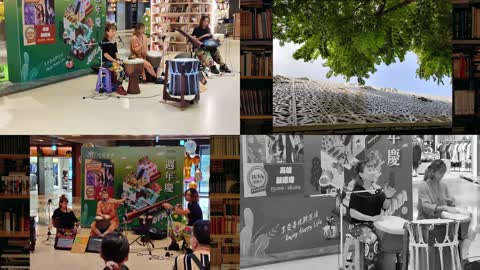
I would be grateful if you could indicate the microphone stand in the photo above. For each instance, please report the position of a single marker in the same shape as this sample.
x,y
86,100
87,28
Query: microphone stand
x,y
49,216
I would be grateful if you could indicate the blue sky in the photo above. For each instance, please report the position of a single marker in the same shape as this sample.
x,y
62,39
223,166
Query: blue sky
x,y
400,75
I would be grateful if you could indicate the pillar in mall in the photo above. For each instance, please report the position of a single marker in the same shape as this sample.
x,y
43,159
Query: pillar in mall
x,y
45,176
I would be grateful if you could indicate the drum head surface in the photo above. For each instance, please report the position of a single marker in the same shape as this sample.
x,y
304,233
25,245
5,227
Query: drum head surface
x,y
390,224
154,53
98,218
432,221
459,217
184,60
133,61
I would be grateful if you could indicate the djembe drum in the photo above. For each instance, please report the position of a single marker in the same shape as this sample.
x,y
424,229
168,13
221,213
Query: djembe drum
x,y
183,76
464,218
434,244
102,223
155,58
134,69
390,232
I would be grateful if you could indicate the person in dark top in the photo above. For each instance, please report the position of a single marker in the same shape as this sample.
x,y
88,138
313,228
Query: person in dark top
x,y
207,57
367,200
193,211
114,251
111,61
63,218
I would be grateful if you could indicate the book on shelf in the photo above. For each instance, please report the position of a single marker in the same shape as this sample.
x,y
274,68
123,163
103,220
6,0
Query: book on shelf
x,y
14,220
256,24
256,102
464,102
224,207
15,184
461,66
15,145
466,22
225,145
256,62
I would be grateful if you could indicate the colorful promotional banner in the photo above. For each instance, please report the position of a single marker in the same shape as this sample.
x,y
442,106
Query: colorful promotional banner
x,y
49,38
38,22
142,175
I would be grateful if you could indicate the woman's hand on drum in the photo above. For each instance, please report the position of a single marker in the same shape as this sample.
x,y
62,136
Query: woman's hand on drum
x,y
452,210
375,218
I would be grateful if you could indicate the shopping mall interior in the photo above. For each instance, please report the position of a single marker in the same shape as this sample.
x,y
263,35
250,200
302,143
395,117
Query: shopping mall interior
x,y
62,165
55,73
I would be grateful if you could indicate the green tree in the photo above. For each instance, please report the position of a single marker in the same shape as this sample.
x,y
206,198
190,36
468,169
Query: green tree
x,y
355,35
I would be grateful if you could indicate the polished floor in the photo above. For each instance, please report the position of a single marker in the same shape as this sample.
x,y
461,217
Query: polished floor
x,y
46,257
59,108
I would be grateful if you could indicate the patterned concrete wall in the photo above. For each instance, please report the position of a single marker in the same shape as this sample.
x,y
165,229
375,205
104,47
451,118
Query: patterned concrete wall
x,y
303,102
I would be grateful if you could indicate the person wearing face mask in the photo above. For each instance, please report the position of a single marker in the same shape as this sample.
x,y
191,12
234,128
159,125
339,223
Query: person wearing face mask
x,y
106,207
435,198
199,259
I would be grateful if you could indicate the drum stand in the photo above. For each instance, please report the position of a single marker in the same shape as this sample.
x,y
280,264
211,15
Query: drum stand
x,y
183,102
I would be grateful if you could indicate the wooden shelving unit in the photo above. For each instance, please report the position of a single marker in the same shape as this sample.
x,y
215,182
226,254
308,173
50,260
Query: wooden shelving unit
x,y
466,61
14,207
224,173
168,15
256,67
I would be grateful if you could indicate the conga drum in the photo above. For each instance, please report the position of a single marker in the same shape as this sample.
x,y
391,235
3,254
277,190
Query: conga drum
x,y
102,223
434,244
155,58
187,233
183,76
390,231
134,69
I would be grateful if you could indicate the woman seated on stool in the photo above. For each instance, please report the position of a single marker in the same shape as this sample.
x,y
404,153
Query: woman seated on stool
x,y
111,61
434,198
139,48
207,57
64,219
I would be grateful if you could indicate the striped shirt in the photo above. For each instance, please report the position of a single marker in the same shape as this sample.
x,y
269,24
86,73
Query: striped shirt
x,y
185,262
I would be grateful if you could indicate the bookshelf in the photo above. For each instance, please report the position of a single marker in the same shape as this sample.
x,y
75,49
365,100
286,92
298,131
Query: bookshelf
x,y
225,202
466,65
167,15
256,67
14,202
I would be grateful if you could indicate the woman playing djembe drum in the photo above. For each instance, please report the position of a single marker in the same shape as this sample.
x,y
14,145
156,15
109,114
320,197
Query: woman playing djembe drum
x,y
435,198
106,208
64,219
139,49
366,203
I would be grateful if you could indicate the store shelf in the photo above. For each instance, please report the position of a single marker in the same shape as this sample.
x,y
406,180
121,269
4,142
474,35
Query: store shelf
x,y
230,258
225,157
256,117
224,196
466,42
223,236
15,156
256,77
14,196
14,234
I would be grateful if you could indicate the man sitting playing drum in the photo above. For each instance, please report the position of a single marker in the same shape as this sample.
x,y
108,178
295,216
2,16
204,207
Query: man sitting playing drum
x,y
106,208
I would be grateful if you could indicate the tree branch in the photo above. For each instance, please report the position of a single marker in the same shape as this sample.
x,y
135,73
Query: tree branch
x,y
392,9
381,8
